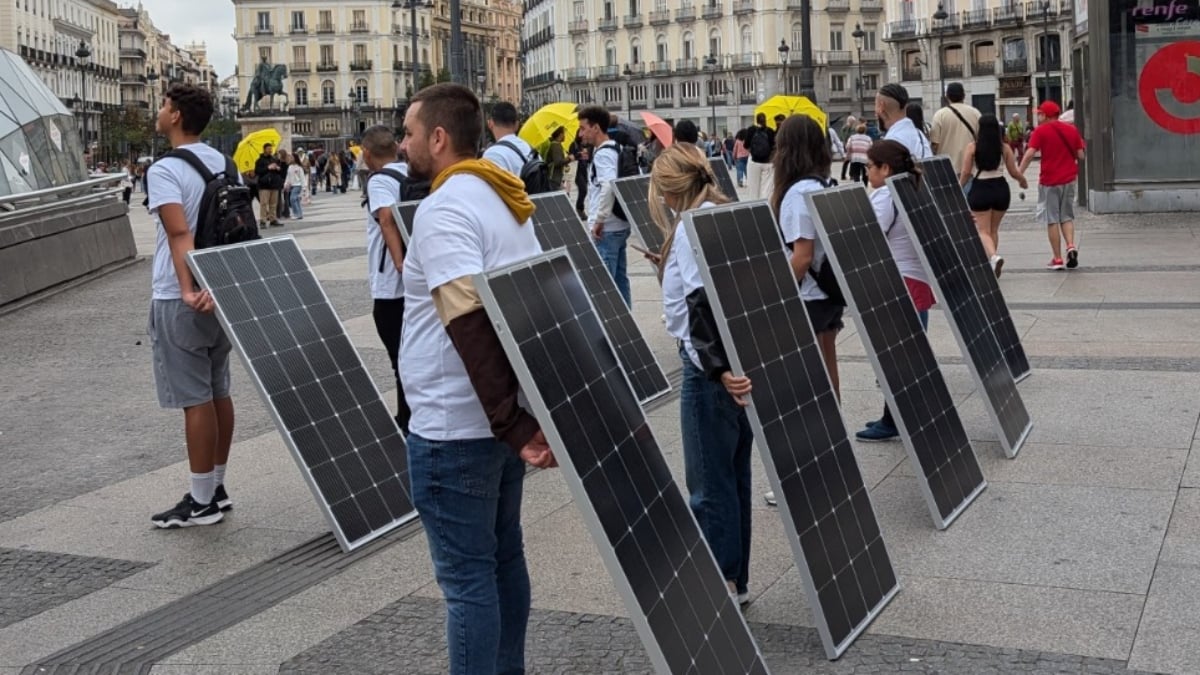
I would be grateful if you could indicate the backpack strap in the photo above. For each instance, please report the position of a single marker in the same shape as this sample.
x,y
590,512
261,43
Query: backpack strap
x,y
194,161
964,121
517,151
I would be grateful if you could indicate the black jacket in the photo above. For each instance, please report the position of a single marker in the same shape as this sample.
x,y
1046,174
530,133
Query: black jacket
x,y
706,338
269,179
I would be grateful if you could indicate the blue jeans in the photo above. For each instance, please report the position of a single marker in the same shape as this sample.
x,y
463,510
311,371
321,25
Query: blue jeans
x,y
612,251
741,170
716,455
294,195
468,494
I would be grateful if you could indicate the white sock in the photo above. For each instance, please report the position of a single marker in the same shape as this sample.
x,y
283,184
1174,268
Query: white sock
x,y
219,474
203,487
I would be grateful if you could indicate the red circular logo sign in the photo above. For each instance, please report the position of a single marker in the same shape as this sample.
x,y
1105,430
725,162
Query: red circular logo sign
x,y
1173,72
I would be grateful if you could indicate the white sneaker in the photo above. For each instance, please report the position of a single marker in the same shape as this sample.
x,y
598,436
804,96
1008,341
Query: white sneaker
x,y
769,498
997,265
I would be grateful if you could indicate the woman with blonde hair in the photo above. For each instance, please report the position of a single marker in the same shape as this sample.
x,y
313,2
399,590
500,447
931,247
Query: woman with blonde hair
x,y
716,432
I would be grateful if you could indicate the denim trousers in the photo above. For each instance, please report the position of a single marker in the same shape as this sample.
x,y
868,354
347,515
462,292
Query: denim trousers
x,y
716,454
468,494
741,169
294,195
612,251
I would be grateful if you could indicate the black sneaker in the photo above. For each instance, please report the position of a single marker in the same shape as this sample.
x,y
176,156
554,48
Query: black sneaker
x,y
221,499
188,513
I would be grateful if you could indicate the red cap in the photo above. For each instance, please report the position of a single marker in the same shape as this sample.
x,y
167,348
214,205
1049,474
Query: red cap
x,y
1049,109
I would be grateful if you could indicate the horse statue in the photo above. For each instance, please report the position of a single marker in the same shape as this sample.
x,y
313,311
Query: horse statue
x,y
267,81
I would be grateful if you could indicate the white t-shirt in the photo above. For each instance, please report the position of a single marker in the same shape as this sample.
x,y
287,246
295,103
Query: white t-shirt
x,y
895,230
906,133
383,192
173,181
681,277
504,157
462,228
796,223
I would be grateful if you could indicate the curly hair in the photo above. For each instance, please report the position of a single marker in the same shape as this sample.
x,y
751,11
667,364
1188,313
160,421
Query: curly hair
x,y
194,105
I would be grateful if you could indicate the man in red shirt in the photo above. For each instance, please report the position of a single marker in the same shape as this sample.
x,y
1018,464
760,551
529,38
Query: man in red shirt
x,y
1062,148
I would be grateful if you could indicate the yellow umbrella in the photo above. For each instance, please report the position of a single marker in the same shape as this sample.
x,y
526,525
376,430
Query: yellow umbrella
x,y
251,147
791,105
538,128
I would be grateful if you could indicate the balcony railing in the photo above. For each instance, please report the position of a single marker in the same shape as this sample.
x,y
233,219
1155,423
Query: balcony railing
x,y
300,67
660,67
357,27
685,14
633,21
712,11
952,70
687,100
1053,63
873,56
298,30
608,72
664,101
1016,66
870,6
365,64
577,74
838,58
743,7
325,28
741,61
687,65
637,69
911,74
264,30
660,17
327,67
979,68
607,24
1006,15
907,28
577,27
974,19
131,52
837,6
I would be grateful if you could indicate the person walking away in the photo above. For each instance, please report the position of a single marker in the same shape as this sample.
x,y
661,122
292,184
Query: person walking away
x,y
510,152
556,158
191,351
269,174
741,156
611,233
955,126
1015,133
385,249
856,153
127,181
687,133
469,439
884,160
760,141
323,172
285,199
727,150
1062,149
334,169
581,152
890,109
294,184
717,439
989,195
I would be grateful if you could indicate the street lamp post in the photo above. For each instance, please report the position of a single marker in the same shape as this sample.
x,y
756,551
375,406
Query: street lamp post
x,y
1046,48
858,36
807,86
711,62
482,80
940,17
82,55
785,55
628,102
152,97
412,6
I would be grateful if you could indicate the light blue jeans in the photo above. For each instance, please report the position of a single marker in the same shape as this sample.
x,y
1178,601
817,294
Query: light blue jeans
x,y
468,494
612,251
294,195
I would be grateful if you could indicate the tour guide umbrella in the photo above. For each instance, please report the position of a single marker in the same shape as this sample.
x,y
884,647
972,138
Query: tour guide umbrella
x,y
251,147
788,106
538,128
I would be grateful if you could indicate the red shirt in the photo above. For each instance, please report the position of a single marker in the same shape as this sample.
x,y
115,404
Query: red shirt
x,y
1059,143
921,293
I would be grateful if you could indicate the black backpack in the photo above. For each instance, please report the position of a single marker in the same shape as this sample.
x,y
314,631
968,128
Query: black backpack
x,y
760,144
825,277
410,189
534,172
227,207
627,165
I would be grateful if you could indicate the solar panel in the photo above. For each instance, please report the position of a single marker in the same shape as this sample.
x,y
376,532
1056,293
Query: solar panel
x,y
403,213
967,318
724,180
951,203
634,194
558,226
800,432
946,467
641,524
332,418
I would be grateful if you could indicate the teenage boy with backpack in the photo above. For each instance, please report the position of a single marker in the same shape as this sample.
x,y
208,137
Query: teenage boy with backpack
x,y
511,153
191,351
760,141
605,220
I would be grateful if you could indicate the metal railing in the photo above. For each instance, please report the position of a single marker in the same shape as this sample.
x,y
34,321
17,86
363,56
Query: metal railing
x,y
76,193
685,14
609,24
660,16
1016,66
633,21
712,11
979,68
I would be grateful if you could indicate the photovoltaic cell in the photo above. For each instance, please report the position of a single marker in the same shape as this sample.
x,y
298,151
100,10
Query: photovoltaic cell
x,y
952,205
797,424
634,195
558,226
337,427
933,434
634,511
967,318
724,180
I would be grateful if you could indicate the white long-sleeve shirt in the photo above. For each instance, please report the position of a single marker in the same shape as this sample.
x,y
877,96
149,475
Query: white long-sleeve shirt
x,y
601,193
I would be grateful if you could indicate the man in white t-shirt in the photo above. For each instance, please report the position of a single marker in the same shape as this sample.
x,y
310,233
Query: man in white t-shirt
x,y
610,232
890,104
469,438
385,248
191,351
510,151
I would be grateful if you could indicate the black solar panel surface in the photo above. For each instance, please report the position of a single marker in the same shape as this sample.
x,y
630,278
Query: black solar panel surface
x,y
724,180
634,195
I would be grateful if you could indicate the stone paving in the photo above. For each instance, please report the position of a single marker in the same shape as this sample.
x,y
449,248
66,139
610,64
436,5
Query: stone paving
x,y
1078,558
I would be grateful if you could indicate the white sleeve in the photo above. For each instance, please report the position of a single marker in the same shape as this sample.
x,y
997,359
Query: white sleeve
x,y
794,220
685,261
382,192
885,210
449,247
164,184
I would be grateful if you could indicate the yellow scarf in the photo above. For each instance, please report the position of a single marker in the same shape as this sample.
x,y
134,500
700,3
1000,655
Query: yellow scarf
x,y
509,187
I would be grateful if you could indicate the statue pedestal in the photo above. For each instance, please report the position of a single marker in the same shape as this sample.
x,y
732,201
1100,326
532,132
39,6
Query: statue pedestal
x,y
280,123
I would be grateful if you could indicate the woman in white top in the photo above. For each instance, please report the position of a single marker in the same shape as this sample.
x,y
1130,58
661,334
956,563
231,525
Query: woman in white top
x,y
990,195
293,186
884,160
717,438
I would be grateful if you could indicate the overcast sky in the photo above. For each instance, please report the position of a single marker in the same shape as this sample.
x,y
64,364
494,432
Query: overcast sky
x,y
208,21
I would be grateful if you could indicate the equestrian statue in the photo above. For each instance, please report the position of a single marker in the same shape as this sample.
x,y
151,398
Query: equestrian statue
x,y
267,81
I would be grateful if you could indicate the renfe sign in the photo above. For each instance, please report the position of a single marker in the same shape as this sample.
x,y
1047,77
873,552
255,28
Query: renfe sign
x,y
1172,11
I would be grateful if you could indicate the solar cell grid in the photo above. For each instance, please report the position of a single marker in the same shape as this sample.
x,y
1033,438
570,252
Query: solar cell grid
x,y
634,195
952,205
328,409
724,180
967,318
558,226
827,511
642,526
946,467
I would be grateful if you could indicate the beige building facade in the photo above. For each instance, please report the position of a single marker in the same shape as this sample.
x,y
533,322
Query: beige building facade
x,y
710,61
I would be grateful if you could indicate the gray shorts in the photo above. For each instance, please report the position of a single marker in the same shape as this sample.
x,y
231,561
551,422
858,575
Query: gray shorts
x,y
191,355
1056,204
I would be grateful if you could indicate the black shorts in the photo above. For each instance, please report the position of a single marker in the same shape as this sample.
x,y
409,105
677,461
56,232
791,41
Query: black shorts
x,y
990,194
825,315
